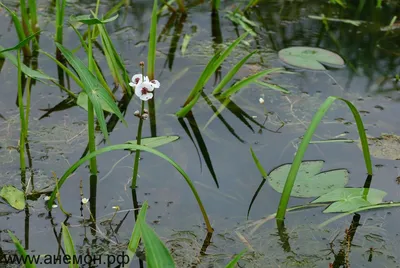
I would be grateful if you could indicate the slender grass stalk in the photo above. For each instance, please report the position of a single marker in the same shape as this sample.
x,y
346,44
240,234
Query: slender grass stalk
x,y
304,145
81,161
151,55
24,18
19,29
181,6
215,5
23,131
91,121
137,154
28,103
33,15
60,10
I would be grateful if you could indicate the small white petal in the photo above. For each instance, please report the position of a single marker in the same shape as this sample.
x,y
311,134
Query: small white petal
x,y
142,90
146,79
132,84
46,198
146,97
261,100
136,79
54,206
136,113
145,116
155,83
116,208
85,200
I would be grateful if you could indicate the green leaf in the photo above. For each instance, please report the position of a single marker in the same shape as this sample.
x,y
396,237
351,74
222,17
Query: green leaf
x,y
69,246
93,88
77,164
83,102
251,79
231,73
25,69
311,58
21,250
309,182
258,164
157,254
13,197
20,44
154,142
151,55
348,199
136,233
89,20
233,262
185,43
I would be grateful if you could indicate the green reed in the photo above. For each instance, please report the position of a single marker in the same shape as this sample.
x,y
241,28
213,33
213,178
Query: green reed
x,y
280,215
60,11
23,131
215,5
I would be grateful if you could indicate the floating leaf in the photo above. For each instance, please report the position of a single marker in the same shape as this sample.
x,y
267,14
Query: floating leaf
x,y
311,58
83,102
13,196
310,182
154,142
348,199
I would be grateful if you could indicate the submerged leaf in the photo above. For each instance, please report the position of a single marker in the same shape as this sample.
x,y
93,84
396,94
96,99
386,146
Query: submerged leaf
x,y
311,58
13,197
348,199
309,181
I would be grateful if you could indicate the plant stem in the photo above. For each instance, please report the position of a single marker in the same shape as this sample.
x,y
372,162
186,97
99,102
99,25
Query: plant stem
x,y
22,117
137,155
91,137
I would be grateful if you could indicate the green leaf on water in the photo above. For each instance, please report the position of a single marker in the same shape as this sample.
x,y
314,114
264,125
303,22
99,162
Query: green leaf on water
x,y
310,182
154,142
13,197
348,199
21,44
83,102
311,58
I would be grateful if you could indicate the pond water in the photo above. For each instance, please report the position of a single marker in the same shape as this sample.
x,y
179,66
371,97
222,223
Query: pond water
x,y
215,152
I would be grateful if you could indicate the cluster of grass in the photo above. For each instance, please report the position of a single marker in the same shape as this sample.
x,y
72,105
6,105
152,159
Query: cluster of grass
x,y
98,99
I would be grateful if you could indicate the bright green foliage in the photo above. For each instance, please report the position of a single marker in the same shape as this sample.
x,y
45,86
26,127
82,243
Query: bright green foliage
x,y
21,250
69,246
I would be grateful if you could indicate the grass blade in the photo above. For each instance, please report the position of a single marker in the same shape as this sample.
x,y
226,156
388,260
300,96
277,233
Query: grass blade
x,y
251,79
253,199
20,44
304,145
233,262
157,254
132,147
69,246
258,164
151,56
231,73
93,89
136,233
21,250
273,87
60,11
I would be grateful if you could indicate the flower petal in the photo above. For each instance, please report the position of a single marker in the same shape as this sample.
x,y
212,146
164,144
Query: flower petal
x,y
132,84
146,97
137,79
155,83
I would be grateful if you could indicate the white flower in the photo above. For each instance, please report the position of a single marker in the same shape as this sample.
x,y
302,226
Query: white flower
x,y
46,198
155,83
261,100
54,206
137,79
143,90
116,207
85,200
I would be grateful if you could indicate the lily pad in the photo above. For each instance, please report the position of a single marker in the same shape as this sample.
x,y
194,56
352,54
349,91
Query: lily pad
x,y
154,142
13,197
348,199
83,102
387,146
311,58
310,181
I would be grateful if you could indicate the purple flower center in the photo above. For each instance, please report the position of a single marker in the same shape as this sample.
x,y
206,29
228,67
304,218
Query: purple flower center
x,y
153,81
145,90
137,80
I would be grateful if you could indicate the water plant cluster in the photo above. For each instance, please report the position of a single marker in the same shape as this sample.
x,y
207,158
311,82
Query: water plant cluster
x,y
98,99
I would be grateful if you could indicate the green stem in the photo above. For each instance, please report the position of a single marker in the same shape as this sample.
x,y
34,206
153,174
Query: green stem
x,y
91,130
28,103
137,155
22,116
